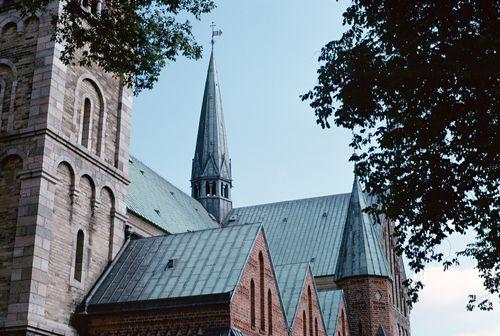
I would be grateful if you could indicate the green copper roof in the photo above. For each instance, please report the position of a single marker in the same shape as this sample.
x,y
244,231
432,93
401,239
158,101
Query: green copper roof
x,y
329,302
306,230
155,199
206,262
291,279
361,252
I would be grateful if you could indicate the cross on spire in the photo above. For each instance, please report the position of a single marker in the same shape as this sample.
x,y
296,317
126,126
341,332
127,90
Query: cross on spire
x,y
215,32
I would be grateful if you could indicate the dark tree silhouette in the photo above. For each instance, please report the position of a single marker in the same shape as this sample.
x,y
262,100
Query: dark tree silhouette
x,y
133,39
418,83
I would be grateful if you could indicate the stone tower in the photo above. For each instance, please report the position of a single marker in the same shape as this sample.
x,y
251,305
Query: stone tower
x,y
211,180
64,142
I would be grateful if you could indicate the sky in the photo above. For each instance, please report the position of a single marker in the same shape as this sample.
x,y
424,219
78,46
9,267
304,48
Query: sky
x,y
266,58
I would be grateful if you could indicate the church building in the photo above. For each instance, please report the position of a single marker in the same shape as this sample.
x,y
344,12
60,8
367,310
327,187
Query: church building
x,y
95,242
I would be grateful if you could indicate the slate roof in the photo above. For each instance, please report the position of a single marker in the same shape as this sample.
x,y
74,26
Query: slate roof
x,y
361,252
305,230
291,279
158,201
329,302
206,262
211,157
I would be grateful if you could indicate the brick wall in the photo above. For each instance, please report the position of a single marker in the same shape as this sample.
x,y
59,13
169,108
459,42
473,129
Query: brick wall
x,y
313,315
368,305
178,321
240,304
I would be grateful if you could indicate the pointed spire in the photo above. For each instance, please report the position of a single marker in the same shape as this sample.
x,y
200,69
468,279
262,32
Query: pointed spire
x,y
211,173
360,252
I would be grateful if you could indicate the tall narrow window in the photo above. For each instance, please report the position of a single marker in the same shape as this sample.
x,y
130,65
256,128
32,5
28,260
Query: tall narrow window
x,y
226,191
304,323
270,312
252,303
196,190
86,127
344,323
309,307
79,256
261,296
316,327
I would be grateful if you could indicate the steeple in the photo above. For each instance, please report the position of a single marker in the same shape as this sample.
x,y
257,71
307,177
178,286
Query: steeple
x,y
360,253
211,180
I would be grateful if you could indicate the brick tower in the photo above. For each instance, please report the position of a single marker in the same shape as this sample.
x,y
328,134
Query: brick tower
x,y
211,179
64,146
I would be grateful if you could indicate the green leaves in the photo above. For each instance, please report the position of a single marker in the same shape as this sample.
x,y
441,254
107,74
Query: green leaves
x,y
132,39
418,83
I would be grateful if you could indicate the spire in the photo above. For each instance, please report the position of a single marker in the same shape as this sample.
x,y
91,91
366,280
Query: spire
x,y
211,172
360,252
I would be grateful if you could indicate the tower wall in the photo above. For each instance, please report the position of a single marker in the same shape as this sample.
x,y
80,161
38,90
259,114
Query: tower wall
x,y
368,301
53,184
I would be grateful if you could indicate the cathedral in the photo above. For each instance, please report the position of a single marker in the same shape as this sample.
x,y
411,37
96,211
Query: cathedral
x,y
95,242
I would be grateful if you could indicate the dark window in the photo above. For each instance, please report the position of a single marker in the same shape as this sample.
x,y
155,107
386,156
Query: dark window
x,y
79,256
252,303
261,296
87,110
196,190
270,312
316,327
309,306
304,323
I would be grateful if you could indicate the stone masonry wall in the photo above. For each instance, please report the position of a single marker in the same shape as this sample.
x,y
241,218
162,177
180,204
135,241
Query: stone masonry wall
x,y
368,304
313,325
240,304
64,186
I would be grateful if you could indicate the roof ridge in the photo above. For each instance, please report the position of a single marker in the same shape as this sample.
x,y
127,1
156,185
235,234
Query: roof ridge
x,y
293,200
196,231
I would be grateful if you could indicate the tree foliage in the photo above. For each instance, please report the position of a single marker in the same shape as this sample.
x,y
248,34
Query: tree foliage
x,y
133,39
418,83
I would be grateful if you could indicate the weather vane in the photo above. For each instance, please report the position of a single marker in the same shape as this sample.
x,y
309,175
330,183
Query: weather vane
x,y
215,32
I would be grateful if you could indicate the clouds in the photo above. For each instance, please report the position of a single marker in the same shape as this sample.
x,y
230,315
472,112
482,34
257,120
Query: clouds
x,y
441,308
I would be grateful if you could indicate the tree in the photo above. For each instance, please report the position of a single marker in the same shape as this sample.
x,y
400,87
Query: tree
x,y
133,39
418,84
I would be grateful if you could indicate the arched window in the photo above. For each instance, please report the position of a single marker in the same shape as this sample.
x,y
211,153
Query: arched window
x,y
86,125
316,327
309,307
79,256
270,312
304,323
252,303
261,296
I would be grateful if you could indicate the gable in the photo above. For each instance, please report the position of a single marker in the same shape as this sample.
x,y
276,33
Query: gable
x,y
153,198
241,317
306,230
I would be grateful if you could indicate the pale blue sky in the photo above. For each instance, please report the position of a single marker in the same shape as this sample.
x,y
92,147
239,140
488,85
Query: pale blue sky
x,y
267,57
